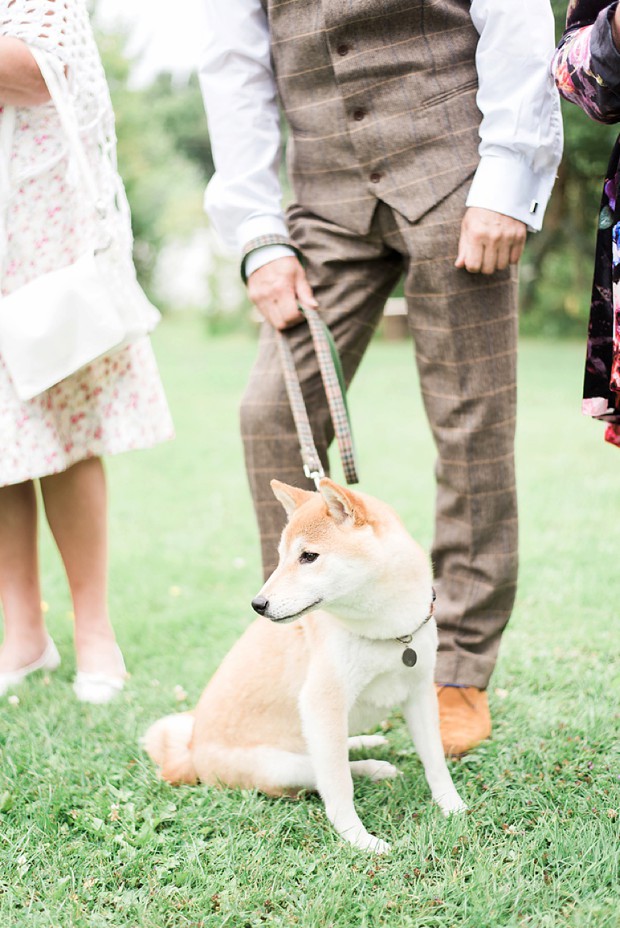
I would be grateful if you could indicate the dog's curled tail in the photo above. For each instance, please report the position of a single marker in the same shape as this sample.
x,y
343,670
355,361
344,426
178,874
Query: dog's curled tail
x,y
168,742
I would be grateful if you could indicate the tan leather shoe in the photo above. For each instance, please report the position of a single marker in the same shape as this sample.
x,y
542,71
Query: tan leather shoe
x,y
464,718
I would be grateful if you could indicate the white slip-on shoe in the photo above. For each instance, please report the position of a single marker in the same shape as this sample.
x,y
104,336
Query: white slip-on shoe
x,y
49,660
98,688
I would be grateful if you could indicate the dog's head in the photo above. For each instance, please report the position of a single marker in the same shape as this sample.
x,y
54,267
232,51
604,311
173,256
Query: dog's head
x,y
343,551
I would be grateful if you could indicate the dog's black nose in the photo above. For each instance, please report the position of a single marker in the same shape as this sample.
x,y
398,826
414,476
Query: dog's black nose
x,y
259,604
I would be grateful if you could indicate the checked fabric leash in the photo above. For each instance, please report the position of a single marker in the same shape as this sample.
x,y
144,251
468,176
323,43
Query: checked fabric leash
x,y
335,391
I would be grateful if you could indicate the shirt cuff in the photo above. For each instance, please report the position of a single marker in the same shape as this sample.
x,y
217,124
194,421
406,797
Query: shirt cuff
x,y
262,243
506,184
264,254
265,226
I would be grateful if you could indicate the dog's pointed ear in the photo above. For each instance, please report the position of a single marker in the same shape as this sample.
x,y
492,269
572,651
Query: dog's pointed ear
x,y
290,497
342,504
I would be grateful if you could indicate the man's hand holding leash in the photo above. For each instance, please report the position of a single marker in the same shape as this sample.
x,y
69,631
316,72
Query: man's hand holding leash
x,y
277,290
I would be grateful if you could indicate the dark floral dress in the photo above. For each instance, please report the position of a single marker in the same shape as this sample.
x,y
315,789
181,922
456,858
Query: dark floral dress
x,y
587,72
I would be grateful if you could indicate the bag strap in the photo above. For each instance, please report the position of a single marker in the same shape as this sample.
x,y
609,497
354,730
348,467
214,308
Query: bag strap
x,y
335,391
53,74
7,131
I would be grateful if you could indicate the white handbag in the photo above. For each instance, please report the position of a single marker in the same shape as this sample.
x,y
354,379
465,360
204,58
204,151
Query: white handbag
x,y
65,319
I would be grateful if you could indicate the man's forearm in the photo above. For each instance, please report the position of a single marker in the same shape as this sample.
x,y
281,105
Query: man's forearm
x,y
21,83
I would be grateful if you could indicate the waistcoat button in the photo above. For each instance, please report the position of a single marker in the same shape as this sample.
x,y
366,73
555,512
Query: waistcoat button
x,y
343,49
359,114
375,177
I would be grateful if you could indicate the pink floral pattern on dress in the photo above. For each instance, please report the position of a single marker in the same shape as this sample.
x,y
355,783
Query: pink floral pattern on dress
x,y
115,404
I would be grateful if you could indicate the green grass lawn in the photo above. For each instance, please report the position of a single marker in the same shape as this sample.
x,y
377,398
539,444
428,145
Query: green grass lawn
x,y
89,837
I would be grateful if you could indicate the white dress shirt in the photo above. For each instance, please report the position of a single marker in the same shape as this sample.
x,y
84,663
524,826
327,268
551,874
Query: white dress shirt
x,y
520,131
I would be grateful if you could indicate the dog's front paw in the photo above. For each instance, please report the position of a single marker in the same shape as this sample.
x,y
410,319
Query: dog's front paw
x,y
451,804
380,847
367,842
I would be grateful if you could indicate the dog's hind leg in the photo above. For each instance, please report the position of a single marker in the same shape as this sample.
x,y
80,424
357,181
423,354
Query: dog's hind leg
x,y
271,770
281,771
363,742
375,769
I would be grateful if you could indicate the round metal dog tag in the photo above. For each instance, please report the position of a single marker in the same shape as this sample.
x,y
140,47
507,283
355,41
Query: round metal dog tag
x,y
410,658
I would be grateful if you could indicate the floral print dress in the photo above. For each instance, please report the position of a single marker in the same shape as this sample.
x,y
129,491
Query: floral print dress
x,y
587,72
117,403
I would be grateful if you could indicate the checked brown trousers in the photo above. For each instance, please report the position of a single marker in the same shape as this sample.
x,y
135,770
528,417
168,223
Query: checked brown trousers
x,y
464,328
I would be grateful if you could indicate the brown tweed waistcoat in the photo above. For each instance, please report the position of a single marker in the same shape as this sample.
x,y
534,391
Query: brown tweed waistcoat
x,y
380,99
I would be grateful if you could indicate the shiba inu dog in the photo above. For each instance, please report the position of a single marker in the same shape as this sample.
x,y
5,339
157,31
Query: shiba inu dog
x,y
346,634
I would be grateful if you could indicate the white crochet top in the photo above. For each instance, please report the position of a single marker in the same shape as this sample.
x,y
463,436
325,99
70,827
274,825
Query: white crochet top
x,y
41,236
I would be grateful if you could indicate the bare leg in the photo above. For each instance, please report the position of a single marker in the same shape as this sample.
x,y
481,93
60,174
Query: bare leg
x,y
76,508
24,630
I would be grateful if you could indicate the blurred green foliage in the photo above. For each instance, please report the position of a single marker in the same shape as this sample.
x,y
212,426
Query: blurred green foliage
x,y
164,154
165,159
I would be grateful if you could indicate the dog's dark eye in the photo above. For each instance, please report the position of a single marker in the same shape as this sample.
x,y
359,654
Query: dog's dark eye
x,y
307,557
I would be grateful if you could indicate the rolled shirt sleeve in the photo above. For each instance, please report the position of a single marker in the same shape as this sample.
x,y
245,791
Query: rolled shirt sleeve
x,y
521,128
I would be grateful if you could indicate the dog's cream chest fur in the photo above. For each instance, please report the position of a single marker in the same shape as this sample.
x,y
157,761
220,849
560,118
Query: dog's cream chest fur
x,y
376,675
378,699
